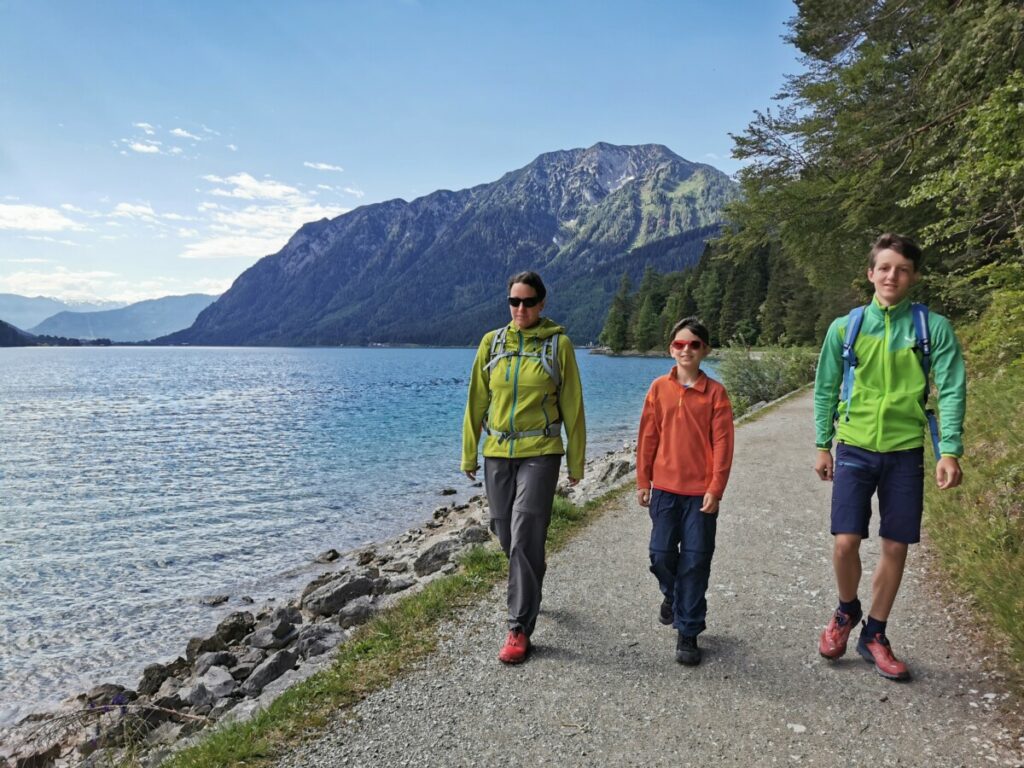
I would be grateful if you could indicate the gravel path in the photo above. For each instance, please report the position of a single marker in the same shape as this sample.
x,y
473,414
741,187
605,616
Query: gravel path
x,y
602,688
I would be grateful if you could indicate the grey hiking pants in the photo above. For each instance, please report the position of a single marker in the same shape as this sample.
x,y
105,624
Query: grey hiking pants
x,y
520,493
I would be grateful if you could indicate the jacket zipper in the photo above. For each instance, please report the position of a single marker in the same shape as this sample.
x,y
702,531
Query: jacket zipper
x,y
515,399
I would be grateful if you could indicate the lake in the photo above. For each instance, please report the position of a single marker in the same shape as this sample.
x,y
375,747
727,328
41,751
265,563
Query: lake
x,y
135,481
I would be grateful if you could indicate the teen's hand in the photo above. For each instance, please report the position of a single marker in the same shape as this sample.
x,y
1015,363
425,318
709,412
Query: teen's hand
x,y
710,505
643,497
948,473
823,466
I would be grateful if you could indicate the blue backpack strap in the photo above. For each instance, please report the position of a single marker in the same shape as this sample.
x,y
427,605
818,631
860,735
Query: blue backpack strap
x,y
853,323
919,313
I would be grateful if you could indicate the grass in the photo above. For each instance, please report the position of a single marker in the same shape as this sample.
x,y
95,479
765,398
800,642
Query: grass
x,y
977,531
379,652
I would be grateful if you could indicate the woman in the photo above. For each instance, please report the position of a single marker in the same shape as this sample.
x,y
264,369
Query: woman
x,y
524,387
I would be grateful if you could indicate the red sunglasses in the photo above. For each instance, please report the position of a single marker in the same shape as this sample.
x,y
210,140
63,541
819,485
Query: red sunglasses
x,y
695,345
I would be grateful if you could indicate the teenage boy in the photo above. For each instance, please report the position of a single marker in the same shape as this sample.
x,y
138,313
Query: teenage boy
x,y
683,458
879,426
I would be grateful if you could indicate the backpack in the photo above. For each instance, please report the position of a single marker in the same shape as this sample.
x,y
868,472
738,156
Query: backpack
x,y
548,358
919,315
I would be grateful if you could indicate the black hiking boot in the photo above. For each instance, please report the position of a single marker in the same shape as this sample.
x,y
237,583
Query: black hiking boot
x,y
665,612
687,651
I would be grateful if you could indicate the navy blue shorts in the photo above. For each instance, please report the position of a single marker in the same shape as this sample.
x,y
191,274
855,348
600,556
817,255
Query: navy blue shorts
x,y
898,477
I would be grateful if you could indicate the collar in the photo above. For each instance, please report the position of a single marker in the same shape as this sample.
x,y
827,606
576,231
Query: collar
x,y
700,384
895,310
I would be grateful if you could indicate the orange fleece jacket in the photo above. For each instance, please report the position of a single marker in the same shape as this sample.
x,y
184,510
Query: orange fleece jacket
x,y
686,437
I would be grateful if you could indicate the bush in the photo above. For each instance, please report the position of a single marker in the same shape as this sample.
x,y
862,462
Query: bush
x,y
760,377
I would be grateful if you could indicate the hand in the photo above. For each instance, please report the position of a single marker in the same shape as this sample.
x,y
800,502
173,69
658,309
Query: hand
x,y
573,481
471,474
948,473
710,505
823,465
643,497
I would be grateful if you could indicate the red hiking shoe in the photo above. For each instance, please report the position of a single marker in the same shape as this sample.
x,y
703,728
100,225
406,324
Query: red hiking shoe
x,y
834,637
515,648
876,650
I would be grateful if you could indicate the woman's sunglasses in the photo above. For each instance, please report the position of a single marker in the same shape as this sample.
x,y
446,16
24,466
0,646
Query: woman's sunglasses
x,y
530,303
695,345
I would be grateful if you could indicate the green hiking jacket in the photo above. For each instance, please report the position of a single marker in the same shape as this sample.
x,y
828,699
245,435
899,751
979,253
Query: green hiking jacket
x,y
886,406
517,395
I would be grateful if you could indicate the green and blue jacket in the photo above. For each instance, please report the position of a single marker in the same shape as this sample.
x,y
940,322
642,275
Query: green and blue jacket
x,y
885,409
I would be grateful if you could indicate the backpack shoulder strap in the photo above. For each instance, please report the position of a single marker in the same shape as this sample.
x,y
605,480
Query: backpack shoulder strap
x,y
919,313
549,359
497,347
853,323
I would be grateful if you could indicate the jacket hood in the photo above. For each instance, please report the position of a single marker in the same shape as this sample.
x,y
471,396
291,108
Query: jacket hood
x,y
542,330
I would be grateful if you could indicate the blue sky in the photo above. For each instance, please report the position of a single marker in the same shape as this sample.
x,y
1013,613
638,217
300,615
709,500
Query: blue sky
x,y
149,149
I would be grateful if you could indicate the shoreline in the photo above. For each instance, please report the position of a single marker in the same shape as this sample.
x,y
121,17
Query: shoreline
x,y
253,656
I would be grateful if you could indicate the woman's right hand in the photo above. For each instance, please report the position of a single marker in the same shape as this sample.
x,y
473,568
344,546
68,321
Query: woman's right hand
x,y
643,497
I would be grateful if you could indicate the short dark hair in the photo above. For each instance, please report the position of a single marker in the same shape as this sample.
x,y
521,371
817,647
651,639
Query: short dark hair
x,y
531,279
694,326
903,245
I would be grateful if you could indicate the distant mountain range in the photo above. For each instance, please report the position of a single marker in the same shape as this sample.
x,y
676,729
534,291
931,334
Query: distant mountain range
x,y
26,311
137,322
433,271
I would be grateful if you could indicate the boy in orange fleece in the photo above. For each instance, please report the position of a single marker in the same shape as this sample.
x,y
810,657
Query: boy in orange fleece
x,y
683,458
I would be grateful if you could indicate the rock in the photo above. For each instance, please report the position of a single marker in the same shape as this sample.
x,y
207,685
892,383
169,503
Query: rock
x,y
110,693
268,637
213,659
219,682
615,471
435,556
400,584
198,696
243,669
165,733
442,512
356,612
268,671
318,639
198,645
236,626
253,656
396,566
332,597
171,701
168,687
222,707
214,600
321,580
154,675
328,556
366,557
448,491
474,534
39,758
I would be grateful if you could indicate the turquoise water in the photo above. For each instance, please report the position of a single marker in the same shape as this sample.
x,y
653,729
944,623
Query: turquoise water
x,y
134,481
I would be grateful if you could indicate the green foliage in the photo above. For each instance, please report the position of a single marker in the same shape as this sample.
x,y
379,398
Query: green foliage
x,y
978,529
752,377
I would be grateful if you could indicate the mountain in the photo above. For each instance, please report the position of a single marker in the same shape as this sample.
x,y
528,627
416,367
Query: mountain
x,y
25,311
14,337
136,322
433,271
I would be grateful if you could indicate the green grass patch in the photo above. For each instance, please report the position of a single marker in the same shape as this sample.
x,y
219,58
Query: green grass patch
x,y
758,377
378,653
978,529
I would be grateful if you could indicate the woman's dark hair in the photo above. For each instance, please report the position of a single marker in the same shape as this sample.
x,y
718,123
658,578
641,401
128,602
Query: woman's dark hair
x,y
694,326
531,279
904,246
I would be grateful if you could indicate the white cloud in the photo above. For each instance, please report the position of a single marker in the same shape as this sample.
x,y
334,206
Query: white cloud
x,y
60,282
186,232
210,130
355,192
145,149
176,150
245,187
26,261
233,147
34,218
323,166
325,186
131,210
146,128
183,134
48,239
232,247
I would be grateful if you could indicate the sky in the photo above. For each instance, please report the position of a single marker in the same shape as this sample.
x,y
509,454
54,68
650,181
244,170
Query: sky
x,y
151,149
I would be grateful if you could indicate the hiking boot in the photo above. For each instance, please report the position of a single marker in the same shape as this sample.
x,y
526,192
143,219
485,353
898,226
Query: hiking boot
x,y
687,651
876,650
665,612
834,637
515,648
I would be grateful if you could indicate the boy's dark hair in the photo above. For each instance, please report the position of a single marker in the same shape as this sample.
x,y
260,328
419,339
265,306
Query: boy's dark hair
x,y
694,326
904,246
531,279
